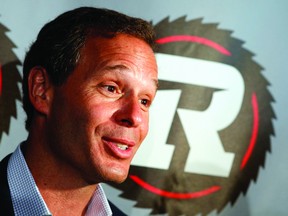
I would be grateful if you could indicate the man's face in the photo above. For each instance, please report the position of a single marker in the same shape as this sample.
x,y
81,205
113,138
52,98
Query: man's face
x,y
99,117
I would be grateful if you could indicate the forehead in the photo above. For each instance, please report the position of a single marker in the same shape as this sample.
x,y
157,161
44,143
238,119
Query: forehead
x,y
119,51
122,42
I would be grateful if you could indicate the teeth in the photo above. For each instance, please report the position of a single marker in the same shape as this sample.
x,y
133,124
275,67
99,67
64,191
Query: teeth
x,y
122,147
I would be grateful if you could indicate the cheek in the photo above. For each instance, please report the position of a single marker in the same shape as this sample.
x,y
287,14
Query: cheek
x,y
98,114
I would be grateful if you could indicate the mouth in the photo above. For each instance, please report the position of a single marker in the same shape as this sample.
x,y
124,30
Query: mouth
x,y
118,147
122,146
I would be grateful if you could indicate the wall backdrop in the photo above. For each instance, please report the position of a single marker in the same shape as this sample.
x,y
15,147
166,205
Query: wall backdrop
x,y
218,132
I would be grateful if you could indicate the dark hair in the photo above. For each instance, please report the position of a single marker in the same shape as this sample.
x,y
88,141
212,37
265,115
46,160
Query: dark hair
x,y
57,47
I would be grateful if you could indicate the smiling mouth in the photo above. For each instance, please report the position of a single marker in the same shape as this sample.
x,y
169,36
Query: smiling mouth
x,y
119,147
122,146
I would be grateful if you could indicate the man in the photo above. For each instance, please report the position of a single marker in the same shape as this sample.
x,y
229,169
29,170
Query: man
x,y
88,82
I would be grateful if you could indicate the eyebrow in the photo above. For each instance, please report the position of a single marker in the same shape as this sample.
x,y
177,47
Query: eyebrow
x,y
115,67
121,67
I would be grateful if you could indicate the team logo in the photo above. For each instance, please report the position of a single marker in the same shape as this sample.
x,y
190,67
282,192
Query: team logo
x,y
210,125
9,78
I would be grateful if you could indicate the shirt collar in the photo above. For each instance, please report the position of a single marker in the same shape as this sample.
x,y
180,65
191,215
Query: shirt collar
x,y
27,199
98,204
25,195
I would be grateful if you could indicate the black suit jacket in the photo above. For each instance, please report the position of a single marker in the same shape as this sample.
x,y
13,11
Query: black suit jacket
x,y
6,207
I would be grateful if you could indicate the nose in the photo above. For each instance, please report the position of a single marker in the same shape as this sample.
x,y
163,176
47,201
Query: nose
x,y
130,113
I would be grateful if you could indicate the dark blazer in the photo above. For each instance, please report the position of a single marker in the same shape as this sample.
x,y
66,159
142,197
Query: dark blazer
x,y
5,197
6,207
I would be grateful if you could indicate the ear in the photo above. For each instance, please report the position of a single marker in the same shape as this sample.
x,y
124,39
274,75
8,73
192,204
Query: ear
x,y
40,90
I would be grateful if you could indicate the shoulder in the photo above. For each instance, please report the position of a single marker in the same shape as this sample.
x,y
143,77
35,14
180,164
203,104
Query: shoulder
x,y
3,166
6,203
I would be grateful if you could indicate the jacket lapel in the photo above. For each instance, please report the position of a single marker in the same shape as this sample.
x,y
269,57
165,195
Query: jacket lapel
x,y
116,211
5,200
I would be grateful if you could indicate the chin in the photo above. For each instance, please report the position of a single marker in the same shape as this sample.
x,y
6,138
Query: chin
x,y
118,181
117,175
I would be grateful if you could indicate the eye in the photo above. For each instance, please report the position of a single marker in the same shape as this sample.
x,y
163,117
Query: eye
x,y
110,88
145,102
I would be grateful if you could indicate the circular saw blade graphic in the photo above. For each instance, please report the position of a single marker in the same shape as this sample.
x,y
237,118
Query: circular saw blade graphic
x,y
9,80
174,190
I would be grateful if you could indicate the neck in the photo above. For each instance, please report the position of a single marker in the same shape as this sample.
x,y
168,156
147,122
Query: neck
x,y
68,202
64,191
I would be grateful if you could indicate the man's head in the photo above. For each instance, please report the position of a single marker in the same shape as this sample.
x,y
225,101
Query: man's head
x,y
89,80
58,45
